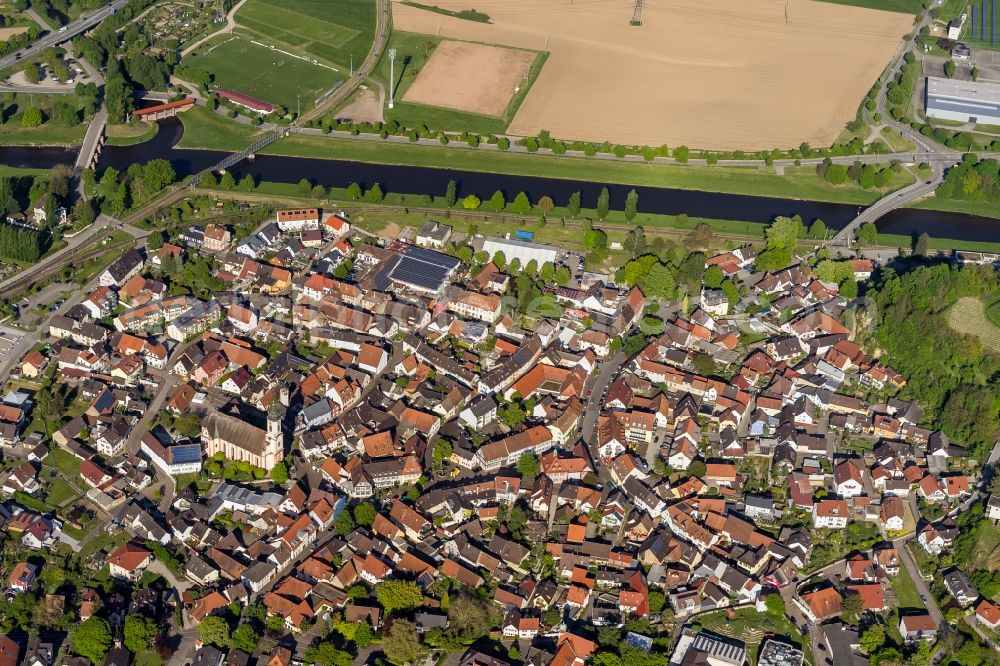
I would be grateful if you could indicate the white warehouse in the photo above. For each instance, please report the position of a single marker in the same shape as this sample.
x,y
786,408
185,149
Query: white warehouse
x,y
521,250
963,101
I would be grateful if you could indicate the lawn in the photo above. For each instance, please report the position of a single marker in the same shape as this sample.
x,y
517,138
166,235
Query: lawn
x,y
796,183
131,134
907,596
328,33
901,6
65,461
51,133
204,128
968,315
751,626
412,52
979,208
60,492
240,64
988,542
897,142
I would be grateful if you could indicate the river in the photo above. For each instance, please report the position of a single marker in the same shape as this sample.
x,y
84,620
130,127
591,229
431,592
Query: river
x,y
423,180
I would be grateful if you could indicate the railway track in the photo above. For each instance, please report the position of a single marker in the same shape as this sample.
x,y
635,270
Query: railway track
x,y
80,255
361,73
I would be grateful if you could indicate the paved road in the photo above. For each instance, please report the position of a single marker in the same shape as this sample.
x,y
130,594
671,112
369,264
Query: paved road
x,y
91,140
597,384
67,32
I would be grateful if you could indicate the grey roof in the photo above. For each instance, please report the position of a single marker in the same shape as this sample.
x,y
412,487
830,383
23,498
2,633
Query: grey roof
x,y
967,97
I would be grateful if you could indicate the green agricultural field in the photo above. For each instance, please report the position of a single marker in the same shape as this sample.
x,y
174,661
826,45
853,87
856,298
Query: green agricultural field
x,y
239,64
313,27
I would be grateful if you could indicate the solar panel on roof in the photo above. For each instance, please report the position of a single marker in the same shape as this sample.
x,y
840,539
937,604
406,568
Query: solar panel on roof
x,y
185,453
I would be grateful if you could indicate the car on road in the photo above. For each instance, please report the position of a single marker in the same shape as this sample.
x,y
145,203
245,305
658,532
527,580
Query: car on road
x,y
923,598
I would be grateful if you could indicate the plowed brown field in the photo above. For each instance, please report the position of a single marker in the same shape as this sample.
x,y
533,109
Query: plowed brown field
x,y
722,75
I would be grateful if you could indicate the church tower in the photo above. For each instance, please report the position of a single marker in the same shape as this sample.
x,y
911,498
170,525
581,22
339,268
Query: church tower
x,y
274,442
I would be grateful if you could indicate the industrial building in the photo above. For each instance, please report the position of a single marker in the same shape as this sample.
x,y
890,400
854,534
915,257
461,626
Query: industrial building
x,y
963,101
521,250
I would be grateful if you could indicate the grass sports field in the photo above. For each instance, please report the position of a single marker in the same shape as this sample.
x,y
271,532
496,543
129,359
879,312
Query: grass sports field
x,y
240,64
330,32
694,73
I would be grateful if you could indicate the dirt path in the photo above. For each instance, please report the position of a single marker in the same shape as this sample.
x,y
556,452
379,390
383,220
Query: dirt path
x,y
230,25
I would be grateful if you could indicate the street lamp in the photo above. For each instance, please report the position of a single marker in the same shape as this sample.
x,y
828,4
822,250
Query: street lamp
x,y
392,77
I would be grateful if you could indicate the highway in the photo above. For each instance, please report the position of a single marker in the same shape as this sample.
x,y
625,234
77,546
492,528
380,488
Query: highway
x,y
67,32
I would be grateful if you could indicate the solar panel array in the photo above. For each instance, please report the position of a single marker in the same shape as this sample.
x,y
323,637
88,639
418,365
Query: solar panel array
x,y
424,268
185,453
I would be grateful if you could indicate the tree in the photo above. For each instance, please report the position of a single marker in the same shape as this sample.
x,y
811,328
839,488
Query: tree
x,y
522,204
451,193
32,74
817,230
697,468
327,654
92,638
949,68
851,607
83,211
215,630
868,234
364,514
573,206
497,202
775,605
659,281
547,273
363,636
656,601
375,194
528,465
441,451
631,205
546,204
603,203
836,174
713,277
635,242
402,644
469,616
304,187
704,365
319,192
228,181
32,117
247,183
139,633
354,192
244,638
920,246
279,473
681,154
849,288
563,275
872,638
343,524
398,595
471,202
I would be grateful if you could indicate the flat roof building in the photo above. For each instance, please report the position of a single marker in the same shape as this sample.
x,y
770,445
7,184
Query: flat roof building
x,y
521,250
963,101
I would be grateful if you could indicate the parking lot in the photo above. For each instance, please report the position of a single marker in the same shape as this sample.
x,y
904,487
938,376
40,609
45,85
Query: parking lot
x,y
8,338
